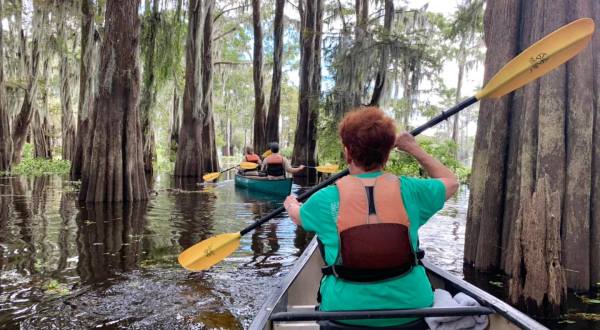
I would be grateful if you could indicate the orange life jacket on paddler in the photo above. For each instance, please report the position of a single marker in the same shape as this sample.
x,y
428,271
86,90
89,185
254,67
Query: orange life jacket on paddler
x,y
252,158
275,165
373,228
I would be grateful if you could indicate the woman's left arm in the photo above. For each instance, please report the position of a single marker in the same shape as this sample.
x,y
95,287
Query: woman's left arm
x,y
292,206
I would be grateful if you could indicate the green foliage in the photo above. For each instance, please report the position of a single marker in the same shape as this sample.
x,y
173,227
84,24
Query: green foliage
x,y
30,166
42,166
27,151
165,159
444,151
54,287
329,144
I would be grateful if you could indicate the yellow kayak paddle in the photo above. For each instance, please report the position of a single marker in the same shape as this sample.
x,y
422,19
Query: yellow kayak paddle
x,y
543,56
214,175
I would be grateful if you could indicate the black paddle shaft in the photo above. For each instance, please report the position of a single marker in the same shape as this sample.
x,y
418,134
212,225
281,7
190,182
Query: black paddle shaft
x,y
382,314
229,169
432,122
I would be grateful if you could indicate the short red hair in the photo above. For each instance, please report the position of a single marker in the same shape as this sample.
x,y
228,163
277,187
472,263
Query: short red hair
x,y
369,135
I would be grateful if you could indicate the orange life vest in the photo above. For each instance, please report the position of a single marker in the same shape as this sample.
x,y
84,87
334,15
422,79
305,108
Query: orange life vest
x,y
373,228
252,158
275,165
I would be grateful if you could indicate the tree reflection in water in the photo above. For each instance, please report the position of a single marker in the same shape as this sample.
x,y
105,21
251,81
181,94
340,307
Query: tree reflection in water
x,y
193,212
5,210
109,239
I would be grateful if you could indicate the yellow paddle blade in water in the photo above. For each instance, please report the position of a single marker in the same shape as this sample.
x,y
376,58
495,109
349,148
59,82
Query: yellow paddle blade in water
x,y
248,165
211,176
328,168
543,56
209,252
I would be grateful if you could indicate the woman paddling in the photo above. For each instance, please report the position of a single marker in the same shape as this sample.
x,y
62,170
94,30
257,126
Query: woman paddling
x,y
250,157
367,223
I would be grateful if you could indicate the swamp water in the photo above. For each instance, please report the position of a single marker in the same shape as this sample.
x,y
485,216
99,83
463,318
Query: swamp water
x,y
65,266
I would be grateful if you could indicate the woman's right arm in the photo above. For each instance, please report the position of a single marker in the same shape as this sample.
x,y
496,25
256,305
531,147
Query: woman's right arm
x,y
406,142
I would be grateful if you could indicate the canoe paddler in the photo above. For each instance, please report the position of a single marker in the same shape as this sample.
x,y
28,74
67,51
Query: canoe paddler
x,y
250,157
367,223
275,165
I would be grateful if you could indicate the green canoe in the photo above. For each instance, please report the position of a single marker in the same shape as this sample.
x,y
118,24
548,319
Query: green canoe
x,y
279,187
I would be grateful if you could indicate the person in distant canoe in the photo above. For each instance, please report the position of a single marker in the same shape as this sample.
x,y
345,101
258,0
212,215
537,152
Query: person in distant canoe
x,y
275,165
367,223
251,157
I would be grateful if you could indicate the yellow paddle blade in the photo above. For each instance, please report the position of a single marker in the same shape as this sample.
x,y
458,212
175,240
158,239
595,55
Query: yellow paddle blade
x,y
328,168
540,58
211,176
248,165
266,153
209,252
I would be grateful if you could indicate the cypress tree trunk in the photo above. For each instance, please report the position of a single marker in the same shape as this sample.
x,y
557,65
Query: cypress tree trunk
x,y
310,69
31,67
272,125
67,118
484,212
40,126
149,88
114,170
6,145
380,80
174,136
533,208
189,150
595,196
87,85
210,158
259,141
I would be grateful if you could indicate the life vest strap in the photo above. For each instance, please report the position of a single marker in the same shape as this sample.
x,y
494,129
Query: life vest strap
x,y
369,275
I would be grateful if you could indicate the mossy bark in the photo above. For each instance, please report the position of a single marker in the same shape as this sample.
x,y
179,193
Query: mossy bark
x,y
67,117
6,145
40,125
260,140
272,124
533,210
87,85
190,151
31,66
149,84
210,160
595,195
305,139
113,171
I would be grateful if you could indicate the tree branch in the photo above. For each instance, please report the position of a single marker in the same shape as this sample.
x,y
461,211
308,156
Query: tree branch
x,y
231,63
293,4
225,33
226,11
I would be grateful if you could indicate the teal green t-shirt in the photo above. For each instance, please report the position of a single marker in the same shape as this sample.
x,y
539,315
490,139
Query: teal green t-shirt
x,y
422,199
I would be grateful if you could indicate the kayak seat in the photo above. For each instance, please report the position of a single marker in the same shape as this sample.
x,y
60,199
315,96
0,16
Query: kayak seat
x,y
332,325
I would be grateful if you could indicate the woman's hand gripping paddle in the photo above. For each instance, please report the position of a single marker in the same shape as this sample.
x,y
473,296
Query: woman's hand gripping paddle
x,y
543,56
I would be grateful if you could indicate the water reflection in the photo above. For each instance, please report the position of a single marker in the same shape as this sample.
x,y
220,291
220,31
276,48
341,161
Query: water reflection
x,y
194,209
67,213
264,242
24,218
109,239
115,266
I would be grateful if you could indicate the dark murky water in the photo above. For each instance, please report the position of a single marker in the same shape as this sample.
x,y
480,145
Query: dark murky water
x,y
115,266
